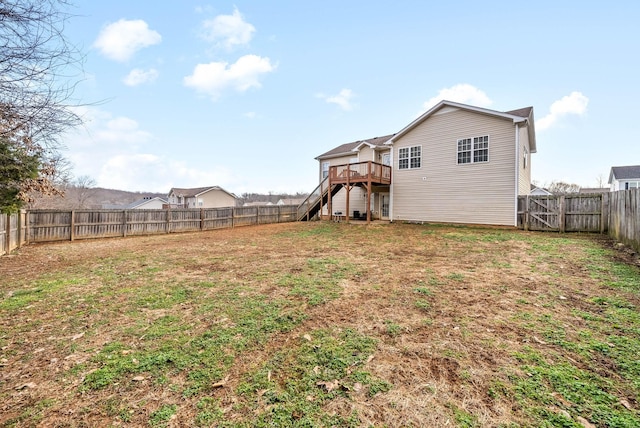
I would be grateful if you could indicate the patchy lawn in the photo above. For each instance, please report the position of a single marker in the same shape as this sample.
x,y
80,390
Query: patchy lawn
x,y
322,324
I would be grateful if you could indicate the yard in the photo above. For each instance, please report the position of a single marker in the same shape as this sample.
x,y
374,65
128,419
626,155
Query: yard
x,y
322,324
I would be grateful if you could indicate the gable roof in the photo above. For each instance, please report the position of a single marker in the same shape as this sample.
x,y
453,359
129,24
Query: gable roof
x,y
196,191
522,115
354,146
143,201
624,172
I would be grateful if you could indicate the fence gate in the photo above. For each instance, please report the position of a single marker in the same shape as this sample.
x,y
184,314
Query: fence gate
x,y
543,213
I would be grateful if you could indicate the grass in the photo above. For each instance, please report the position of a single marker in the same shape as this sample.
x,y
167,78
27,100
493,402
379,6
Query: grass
x,y
322,324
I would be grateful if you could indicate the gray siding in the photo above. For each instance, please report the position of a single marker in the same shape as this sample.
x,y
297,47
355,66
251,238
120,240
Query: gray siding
x,y
443,191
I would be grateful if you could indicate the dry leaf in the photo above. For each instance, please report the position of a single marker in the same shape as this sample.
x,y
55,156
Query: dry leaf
x,y
138,378
307,336
357,387
77,336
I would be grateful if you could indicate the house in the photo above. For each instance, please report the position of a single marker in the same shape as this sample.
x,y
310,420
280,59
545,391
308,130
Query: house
x,y
146,203
539,191
624,177
593,190
455,163
290,201
257,204
201,197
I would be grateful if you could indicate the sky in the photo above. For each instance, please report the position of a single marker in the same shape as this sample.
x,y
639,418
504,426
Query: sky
x,y
245,94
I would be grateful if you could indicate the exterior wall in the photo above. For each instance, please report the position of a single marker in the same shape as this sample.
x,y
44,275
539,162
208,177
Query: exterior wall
x,y
152,204
213,199
443,191
524,169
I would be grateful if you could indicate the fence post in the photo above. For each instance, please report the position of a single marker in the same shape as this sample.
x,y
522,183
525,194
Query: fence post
x,y
604,213
201,218
19,226
124,223
233,217
257,215
7,234
26,227
168,224
526,218
72,226
561,214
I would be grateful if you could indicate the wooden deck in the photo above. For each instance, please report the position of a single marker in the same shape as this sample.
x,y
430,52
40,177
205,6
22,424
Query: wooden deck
x,y
361,172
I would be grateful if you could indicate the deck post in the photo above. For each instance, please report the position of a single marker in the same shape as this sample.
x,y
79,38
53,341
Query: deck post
x,y
346,217
369,193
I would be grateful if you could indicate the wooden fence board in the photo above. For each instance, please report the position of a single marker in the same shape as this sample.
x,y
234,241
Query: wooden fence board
x,y
51,225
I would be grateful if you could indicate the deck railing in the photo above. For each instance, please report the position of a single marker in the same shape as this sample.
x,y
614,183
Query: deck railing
x,y
360,172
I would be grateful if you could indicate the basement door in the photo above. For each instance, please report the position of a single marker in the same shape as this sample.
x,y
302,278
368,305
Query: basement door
x,y
384,206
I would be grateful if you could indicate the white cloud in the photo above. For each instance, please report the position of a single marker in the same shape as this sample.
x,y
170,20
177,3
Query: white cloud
x,y
215,77
343,99
228,30
149,172
574,103
120,40
138,76
461,93
112,151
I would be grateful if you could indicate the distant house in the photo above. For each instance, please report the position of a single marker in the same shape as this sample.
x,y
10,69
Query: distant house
x,y
201,197
291,201
624,177
456,163
146,203
593,190
539,191
257,204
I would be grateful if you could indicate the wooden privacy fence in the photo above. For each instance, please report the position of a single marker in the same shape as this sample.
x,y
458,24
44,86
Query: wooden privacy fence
x,y
615,213
565,213
56,225
624,217
12,231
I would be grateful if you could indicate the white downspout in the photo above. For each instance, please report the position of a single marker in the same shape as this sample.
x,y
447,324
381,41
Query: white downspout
x,y
515,213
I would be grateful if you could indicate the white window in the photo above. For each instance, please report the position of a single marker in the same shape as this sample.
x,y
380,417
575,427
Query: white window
x,y
525,157
632,185
410,157
473,150
325,170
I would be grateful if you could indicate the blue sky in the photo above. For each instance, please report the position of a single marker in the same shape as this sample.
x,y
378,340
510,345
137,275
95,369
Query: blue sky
x,y
246,94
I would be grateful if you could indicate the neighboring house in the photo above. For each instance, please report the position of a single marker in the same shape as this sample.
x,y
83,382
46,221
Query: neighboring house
x,y
539,191
455,163
290,201
624,177
257,204
146,203
593,190
201,197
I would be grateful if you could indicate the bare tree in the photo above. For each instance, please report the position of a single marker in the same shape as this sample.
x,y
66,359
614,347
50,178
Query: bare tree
x,y
83,188
562,188
35,90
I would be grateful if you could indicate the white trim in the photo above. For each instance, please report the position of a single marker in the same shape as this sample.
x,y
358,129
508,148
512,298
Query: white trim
x,y
409,157
473,150
517,183
430,112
